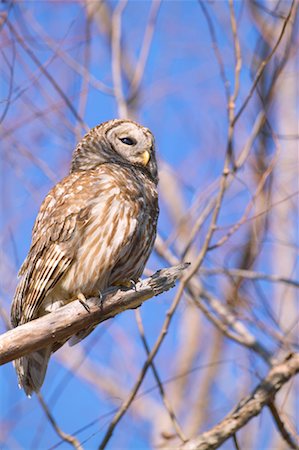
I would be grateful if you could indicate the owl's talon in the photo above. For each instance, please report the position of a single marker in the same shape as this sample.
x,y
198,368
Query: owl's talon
x,y
101,298
85,305
133,285
130,284
83,302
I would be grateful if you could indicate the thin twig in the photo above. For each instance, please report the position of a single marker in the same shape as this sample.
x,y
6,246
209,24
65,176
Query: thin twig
x,y
227,322
233,97
116,59
263,65
204,394
286,435
47,75
238,57
66,57
64,436
217,312
167,405
249,206
217,52
122,410
235,440
250,274
84,91
148,36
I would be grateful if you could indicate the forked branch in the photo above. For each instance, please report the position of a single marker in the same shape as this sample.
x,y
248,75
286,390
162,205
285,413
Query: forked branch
x,y
249,407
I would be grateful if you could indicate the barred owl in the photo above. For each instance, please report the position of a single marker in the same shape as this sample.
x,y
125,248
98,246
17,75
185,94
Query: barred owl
x,y
96,228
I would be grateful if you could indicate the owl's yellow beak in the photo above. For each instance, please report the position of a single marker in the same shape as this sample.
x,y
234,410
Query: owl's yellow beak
x,y
145,157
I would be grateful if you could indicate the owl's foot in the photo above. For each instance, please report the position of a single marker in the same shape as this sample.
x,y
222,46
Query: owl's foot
x,y
83,301
130,284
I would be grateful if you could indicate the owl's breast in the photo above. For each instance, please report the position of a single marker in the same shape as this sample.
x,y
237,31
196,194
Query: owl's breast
x,y
134,255
113,242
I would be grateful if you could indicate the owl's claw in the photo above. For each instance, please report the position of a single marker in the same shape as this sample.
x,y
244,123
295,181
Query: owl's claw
x,y
133,285
101,298
130,284
83,302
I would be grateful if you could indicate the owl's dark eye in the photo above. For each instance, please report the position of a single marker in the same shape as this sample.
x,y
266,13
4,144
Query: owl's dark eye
x,y
128,141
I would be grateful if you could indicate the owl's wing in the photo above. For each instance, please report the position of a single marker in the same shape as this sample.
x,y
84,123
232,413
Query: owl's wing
x,y
62,212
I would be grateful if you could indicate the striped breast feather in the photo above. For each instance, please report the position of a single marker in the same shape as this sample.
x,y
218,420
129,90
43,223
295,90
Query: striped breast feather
x,y
108,235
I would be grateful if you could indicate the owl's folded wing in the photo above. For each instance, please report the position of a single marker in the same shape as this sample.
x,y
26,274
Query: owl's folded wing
x,y
63,210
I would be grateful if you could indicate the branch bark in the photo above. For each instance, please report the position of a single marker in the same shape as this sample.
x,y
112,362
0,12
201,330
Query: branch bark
x,y
247,408
61,324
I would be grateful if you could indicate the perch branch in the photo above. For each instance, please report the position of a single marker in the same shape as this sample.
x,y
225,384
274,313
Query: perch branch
x,y
249,407
61,324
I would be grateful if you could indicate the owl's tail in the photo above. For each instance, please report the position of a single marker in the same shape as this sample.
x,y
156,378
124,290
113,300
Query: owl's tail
x,y
31,370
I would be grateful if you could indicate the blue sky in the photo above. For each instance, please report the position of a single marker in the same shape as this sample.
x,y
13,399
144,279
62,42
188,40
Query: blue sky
x,y
182,100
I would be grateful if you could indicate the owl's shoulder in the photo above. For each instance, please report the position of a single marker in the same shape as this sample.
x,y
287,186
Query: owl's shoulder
x,y
72,192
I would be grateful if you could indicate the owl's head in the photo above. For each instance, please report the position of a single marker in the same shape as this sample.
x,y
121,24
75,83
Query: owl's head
x,y
117,141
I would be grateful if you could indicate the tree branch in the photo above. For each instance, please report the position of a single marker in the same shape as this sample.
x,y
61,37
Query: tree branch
x,y
64,436
247,408
282,427
68,320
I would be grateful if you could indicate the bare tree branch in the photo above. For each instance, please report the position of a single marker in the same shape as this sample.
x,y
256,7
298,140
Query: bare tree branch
x,y
116,59
264,63
218,313
249,407
167,404
147,40
68,320
251,275
48,75
64,436
285,433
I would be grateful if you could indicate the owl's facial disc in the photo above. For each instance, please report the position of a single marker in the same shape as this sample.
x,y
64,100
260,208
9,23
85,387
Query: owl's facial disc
x,y
116,141
132,142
